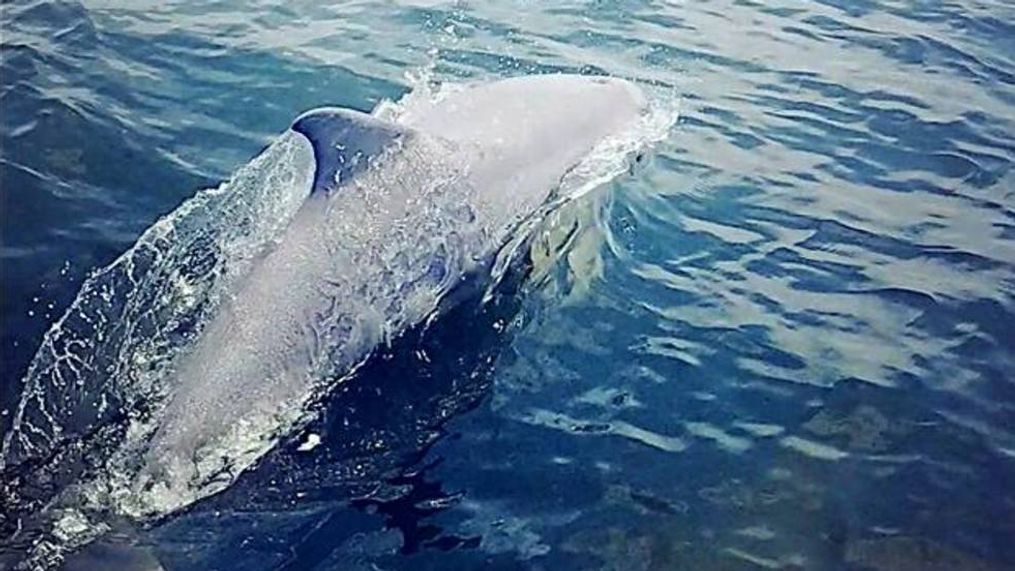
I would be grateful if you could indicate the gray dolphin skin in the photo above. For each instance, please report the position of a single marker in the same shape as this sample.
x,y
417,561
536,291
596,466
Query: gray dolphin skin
x,y
397,216
362,241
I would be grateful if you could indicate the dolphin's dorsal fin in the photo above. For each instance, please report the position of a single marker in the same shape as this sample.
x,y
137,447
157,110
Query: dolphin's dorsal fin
x,y
343,140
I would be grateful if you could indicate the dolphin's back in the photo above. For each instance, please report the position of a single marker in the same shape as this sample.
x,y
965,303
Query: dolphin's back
x,y
374,247
209,338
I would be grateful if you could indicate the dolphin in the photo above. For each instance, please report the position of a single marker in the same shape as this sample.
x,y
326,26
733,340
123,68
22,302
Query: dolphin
x,y
398,215
395,214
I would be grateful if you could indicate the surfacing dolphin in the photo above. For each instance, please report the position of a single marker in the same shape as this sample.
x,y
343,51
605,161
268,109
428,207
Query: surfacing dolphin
x,y
398,215
393,216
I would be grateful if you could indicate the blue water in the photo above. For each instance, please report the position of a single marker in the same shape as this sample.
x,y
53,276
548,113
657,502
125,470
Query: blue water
x,y
792,348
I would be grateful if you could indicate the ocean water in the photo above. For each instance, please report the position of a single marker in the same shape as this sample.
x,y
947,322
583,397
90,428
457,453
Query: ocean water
x,y
785,342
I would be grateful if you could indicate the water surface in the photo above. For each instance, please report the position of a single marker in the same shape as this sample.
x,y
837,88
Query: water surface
x,y
784,343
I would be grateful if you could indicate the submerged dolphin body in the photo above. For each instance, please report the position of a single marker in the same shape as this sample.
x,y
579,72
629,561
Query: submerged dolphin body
x,y
393,217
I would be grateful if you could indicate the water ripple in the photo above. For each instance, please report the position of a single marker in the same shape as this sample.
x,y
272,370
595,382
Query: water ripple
x,y
783,343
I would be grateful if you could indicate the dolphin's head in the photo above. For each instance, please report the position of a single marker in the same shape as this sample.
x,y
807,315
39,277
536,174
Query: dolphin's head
x,y
524,133
533,112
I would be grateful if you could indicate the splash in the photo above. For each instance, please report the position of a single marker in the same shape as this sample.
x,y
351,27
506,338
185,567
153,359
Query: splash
x,y
107,357
104,369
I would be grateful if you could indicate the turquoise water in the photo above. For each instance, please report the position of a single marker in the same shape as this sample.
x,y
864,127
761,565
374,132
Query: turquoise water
x,y
784,343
